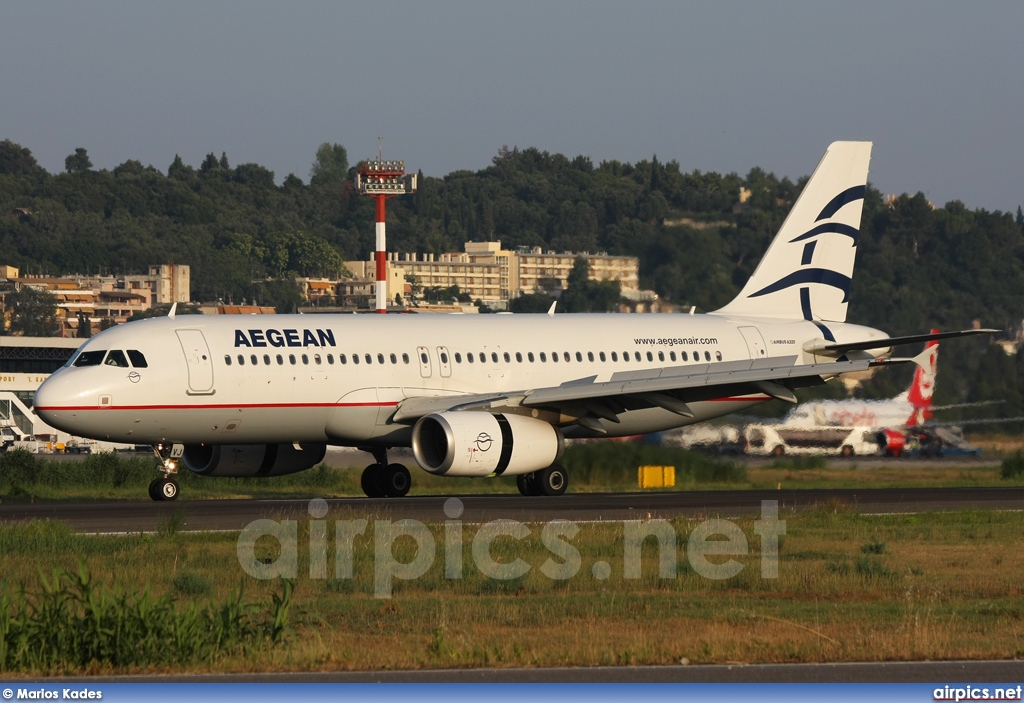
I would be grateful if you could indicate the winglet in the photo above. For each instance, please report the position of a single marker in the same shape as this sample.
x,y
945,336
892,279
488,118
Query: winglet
x,y
174,308
551,310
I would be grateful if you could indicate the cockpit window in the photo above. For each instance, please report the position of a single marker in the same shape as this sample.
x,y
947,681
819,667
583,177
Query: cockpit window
x,y
116,357
137,359
90,358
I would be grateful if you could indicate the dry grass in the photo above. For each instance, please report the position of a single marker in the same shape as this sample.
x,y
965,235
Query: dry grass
x,y
850,587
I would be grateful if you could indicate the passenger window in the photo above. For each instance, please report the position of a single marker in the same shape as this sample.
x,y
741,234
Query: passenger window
x,y
637,354
394,359
458,357
494,357
683,356
405,358
661,356
137,359
469,357
601,356
590,356
718,355
368,358
266,359
696,355
342,358
519,357
117,358
508,359
380,358
444,358
567,357
423,358
280,360
529,356
90,358
355,358
254,360
316,359
291,359
615,356
707,356
227,360
625,356
554,357
305,359
672,356
241,360
543,357
650,356
330,359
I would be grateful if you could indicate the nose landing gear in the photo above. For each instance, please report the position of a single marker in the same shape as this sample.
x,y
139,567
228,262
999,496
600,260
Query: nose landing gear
x,y
165,487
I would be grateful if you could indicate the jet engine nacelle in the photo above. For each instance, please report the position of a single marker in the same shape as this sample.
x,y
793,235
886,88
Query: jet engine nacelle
x,y
242,460
475,443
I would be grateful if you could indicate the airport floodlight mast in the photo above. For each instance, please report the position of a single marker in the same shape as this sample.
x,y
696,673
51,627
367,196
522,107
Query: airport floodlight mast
x,y
382,180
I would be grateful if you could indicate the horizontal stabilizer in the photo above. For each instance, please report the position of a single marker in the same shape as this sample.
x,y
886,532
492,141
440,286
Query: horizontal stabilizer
x,y
835,349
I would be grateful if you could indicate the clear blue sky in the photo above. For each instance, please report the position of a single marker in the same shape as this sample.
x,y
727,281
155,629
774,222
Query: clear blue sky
x,y
722,86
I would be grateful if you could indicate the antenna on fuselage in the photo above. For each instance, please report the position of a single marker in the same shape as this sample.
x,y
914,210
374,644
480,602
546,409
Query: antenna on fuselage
x,y
174,307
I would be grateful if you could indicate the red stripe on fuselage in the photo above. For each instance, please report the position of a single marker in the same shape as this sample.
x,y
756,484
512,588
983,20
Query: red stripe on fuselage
x,y
253,406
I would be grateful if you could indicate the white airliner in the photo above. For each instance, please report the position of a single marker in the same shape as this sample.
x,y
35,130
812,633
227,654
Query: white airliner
x,y
488,395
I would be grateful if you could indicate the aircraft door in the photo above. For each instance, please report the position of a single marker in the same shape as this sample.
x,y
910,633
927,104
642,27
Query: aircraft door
x,y
445,362
200,365
755,342
423,357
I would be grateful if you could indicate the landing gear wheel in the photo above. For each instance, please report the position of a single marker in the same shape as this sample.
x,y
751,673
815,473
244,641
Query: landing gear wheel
x,y
778,450
397,480
527,484
372,481
551,481
847,450
163,489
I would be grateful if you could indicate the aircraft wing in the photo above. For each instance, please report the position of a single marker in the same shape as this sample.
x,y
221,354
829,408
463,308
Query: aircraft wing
x,y
670,388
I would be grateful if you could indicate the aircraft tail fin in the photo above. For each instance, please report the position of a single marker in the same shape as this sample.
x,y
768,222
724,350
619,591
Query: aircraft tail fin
x,y
923,386
807,270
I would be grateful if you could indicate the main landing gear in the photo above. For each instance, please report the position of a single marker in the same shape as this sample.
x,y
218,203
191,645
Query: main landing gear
x,y
384,480
551,481
165,487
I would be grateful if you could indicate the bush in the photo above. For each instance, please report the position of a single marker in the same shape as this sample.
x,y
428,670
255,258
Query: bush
x,y
1013,465
71,623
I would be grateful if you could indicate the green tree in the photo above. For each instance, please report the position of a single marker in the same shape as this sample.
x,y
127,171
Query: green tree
x,y
78,162
584,295
330,166
33,312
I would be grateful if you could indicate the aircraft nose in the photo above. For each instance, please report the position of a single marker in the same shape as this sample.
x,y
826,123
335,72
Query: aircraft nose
x,y
56,399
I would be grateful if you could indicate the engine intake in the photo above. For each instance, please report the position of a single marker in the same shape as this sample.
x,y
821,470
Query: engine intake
x,y
243,460
476,443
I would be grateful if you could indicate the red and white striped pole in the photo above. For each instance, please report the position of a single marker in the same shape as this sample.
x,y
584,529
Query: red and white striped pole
x,y
382,262
383,180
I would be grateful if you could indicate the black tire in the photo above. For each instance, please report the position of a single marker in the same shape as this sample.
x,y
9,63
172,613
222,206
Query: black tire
x,y
371,482
154,492
778,450
847,450
551,481
397,481
167,489
526,484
